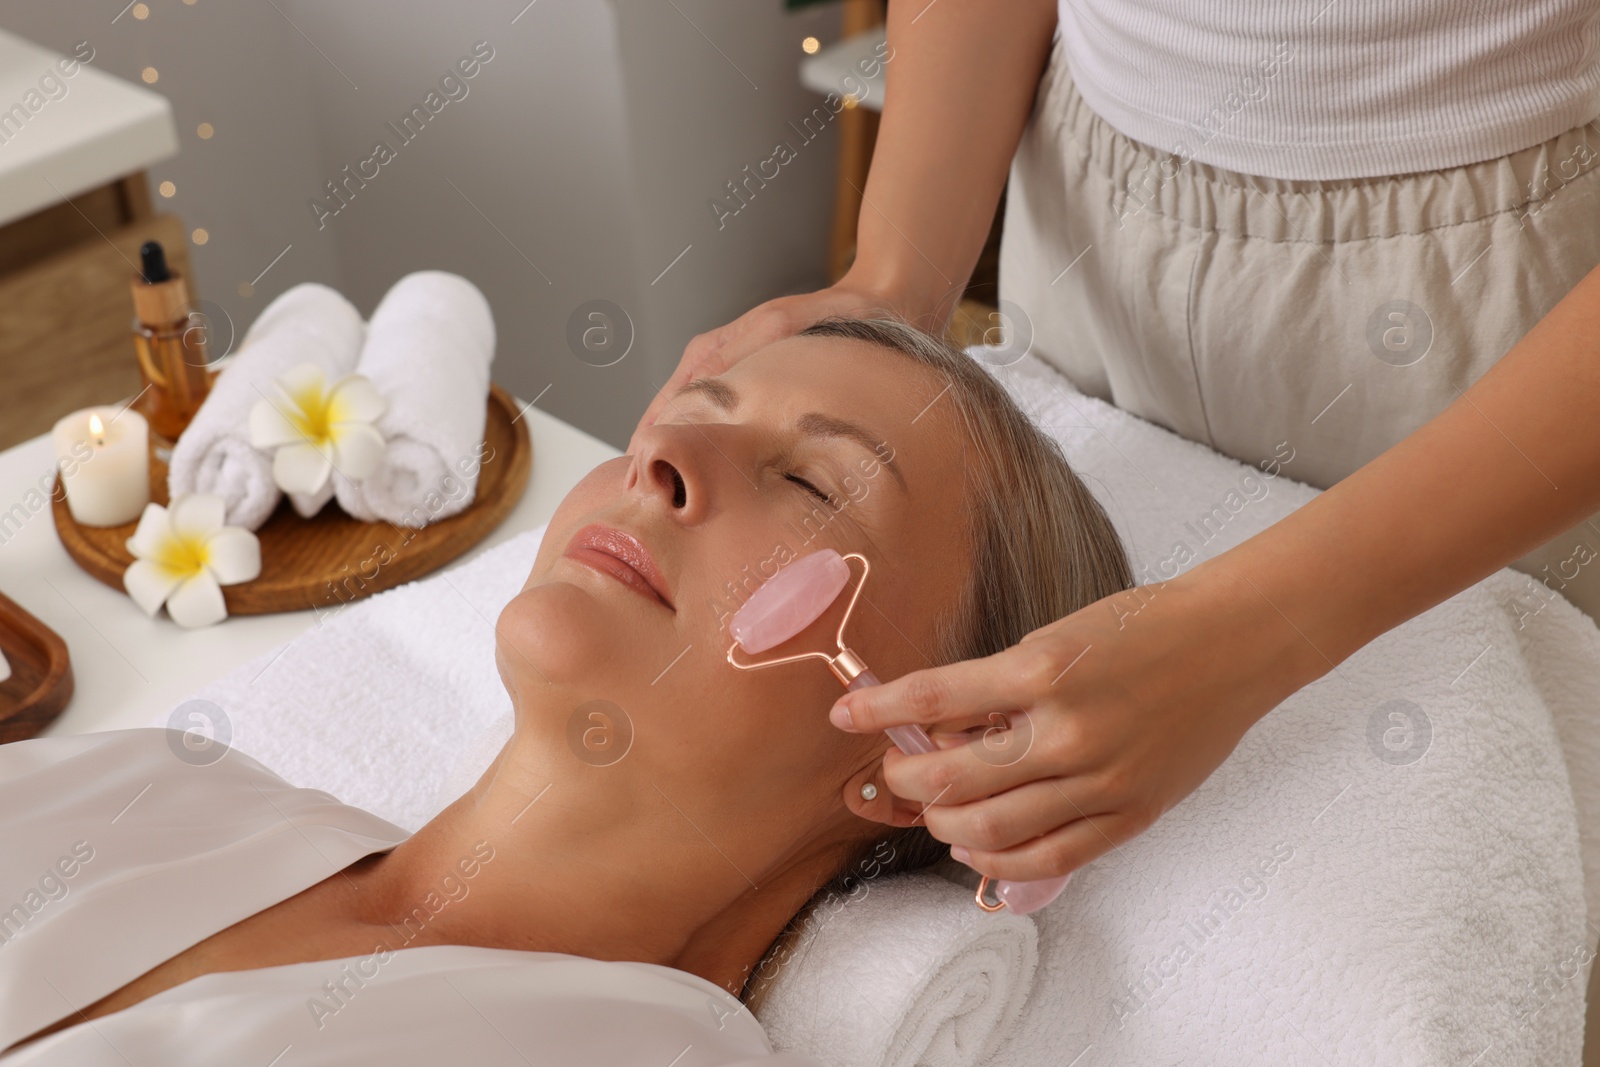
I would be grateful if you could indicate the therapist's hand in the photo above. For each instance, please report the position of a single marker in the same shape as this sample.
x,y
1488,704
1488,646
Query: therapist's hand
x,y
1128,705
711,353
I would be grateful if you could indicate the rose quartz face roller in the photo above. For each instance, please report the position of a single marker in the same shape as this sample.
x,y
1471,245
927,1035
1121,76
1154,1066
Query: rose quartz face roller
x,y
796,597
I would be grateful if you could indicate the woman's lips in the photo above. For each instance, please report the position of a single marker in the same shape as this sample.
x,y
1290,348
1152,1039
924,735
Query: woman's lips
x,y
623,557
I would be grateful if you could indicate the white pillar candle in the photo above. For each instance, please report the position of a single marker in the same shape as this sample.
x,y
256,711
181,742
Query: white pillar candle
x,y
102,457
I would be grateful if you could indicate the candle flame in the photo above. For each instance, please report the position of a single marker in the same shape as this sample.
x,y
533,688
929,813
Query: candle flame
x,y
96,427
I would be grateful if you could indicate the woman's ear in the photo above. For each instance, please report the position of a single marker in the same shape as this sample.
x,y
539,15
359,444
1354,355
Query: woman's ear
x,y
867,796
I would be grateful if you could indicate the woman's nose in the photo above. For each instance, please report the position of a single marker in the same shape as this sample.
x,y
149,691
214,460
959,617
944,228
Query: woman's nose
x,y
667,469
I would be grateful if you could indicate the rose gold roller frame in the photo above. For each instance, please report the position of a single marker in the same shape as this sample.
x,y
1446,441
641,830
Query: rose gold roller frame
x,y
846,666
853,673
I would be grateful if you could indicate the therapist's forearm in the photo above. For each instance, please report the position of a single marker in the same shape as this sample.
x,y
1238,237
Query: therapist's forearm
x,y
1511,463
959,86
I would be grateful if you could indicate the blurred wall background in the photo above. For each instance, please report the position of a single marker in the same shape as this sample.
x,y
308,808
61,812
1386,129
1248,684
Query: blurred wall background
x,y
577,166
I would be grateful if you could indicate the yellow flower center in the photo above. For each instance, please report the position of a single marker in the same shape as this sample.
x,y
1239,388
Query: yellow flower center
x,y
312,415
186,556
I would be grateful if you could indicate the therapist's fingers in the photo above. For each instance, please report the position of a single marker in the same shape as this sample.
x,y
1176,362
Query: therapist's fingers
x,y
956,693
1130,703
1012,817
972,768
710,353
1062,850
701,358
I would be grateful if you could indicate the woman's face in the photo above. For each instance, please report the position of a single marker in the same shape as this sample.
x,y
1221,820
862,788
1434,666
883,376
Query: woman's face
x,y
615,648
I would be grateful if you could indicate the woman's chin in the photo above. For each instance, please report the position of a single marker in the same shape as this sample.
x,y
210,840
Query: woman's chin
x,y
557,634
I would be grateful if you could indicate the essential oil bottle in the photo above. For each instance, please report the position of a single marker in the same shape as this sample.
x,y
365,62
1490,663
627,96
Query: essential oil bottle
x,y
171,344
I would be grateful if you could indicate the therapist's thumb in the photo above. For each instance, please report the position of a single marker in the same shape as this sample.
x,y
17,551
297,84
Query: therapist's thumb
x,y
953,695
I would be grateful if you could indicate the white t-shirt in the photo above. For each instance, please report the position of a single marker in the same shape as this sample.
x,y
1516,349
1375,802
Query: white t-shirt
x,y
1336,88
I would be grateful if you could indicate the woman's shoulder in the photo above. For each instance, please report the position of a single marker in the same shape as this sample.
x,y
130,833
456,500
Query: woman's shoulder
x,y
143,798
51,778
121,849
159,747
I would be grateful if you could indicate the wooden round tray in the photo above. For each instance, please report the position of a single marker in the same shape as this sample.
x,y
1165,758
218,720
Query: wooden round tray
x,y
41,673
332,558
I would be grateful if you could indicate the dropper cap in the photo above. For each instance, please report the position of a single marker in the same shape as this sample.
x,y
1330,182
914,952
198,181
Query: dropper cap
x,y
153,263
160,297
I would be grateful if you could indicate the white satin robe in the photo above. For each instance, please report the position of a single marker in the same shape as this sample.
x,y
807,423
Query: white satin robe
x,y
116,854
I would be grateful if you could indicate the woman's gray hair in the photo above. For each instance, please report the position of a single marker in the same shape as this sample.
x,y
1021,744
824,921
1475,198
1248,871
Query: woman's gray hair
x,y
1042,547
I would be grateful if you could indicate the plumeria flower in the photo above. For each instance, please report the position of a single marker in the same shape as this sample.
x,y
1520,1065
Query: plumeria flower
x,y
317,428
183,555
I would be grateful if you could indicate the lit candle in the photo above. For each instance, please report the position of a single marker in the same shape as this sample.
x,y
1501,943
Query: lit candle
x,y
103,461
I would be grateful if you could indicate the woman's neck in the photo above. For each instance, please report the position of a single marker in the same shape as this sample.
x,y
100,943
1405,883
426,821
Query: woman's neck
x,y
546,857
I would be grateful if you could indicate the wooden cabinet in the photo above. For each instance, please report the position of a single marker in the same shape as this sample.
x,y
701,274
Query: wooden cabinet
x,y
66,311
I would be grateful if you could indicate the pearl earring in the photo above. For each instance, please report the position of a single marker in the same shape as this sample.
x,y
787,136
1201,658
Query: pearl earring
x,y
869,791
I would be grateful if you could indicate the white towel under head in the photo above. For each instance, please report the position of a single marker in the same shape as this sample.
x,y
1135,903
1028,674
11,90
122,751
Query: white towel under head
x,y
309,323
939,991
428,349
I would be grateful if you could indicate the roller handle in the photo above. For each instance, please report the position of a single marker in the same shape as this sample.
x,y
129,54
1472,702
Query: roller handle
x,y
1020,897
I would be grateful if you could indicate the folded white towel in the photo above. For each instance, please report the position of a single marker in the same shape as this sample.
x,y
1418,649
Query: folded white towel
x,y
428,350
905,972
309,323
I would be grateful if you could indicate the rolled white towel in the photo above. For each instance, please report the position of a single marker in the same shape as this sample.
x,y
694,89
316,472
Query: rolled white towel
x,y
864,987
309,323
428,349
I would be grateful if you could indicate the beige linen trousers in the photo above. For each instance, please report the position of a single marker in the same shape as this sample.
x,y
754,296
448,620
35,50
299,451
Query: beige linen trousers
x,y
1336,316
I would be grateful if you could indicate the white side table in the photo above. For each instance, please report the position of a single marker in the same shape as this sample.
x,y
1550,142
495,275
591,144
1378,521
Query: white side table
x,y
130,668
90,129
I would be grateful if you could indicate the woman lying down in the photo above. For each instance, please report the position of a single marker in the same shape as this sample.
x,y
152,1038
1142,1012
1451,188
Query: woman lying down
x,y
562,912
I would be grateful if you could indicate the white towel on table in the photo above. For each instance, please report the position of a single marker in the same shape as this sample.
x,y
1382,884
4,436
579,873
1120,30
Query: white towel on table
x,y
1425,912
379,698
309,323
428,350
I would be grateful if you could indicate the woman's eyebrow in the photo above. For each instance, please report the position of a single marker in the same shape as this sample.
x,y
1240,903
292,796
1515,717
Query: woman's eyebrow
x,y
816,424
715,390
812,423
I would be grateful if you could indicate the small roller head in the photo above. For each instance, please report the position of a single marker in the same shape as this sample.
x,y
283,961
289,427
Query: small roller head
x,y
790,601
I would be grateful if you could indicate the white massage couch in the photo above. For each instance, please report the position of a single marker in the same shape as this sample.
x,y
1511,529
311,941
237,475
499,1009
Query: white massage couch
x,y
1399,865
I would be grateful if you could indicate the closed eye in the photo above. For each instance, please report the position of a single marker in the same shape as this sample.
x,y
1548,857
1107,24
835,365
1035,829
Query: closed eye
x,y
813,490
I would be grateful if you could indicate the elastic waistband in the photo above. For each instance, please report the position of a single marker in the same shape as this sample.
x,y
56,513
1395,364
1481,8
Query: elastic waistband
x,y
1145,180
